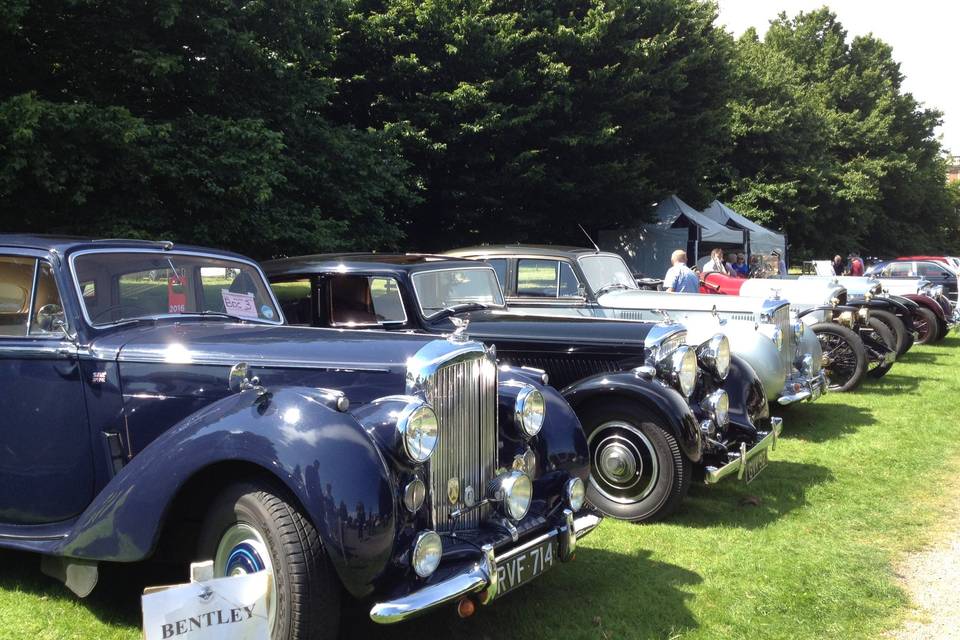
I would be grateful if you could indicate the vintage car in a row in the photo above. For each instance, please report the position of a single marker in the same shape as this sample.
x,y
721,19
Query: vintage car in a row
x,y
854,344
933,315
578,282
157,402
656,412
939,273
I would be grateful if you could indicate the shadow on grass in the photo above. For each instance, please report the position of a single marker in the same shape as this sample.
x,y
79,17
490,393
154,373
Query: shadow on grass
x,y
820,421
780,489
572,598
890,383
114,601
601,594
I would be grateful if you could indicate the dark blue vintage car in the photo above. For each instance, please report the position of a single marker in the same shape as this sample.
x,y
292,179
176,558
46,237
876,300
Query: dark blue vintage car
x,y
657,413
155,403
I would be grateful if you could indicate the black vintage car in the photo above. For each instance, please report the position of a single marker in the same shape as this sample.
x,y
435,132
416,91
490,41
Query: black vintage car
x,y
656,412
155,403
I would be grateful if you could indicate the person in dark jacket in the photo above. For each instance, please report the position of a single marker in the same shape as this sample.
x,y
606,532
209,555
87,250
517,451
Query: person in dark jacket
x,y
837,265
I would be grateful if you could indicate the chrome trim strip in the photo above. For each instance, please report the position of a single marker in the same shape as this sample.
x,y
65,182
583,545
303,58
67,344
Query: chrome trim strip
x,y
474,579
33,294
276,364
182,252
769,441
15,536
61,349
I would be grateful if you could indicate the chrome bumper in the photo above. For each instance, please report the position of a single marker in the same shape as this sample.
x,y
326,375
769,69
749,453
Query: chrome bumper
x,y
799,389
738,466
481,578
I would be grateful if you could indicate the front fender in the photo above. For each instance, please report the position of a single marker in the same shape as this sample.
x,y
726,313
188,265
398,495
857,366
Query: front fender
x,y
929,303
673,407
749,408
762,355
322,456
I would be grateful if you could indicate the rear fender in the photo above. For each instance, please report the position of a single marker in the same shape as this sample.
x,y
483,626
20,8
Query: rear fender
x,y
928,303
323,457
677,416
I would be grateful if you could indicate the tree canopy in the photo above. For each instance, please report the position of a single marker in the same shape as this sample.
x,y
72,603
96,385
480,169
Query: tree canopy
x,y
296,126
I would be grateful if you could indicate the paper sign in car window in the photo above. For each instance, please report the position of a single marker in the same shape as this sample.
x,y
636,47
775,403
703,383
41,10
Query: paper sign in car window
x,y
242,305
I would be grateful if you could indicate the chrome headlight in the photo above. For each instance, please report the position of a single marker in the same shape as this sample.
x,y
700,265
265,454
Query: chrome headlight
x,y
846,318
717,404
576,493
414,494
427,551
864,313
420,430
679,367
714,355
774,333
530,410
514,492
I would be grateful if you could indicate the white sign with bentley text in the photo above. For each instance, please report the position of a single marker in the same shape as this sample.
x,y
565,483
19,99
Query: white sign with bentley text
x,y
233,608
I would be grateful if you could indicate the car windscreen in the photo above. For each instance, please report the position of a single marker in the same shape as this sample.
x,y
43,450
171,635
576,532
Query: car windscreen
x,y
115,286
441,289
603,271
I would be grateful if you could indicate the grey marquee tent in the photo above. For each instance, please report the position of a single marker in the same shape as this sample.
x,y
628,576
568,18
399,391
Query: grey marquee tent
x,y
761,239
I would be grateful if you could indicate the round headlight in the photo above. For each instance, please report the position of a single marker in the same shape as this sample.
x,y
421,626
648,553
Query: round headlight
x,y
714,355
530,410
427,551
421,431
685,369
414,494
514,491
576,492
864,313
717,404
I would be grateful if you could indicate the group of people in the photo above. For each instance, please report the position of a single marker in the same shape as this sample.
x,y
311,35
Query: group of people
x,y
853,266
682,279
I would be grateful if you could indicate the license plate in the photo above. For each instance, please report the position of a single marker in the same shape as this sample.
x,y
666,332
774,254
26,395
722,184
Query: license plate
x,y
755,465
526,566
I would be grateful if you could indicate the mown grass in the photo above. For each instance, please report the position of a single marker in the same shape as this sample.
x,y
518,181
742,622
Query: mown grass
x,y
806,551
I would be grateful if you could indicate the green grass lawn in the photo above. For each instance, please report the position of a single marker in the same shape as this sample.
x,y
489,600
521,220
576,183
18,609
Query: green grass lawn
x,y
806,551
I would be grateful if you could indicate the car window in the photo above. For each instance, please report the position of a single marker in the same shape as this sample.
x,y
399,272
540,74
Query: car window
x,y
569,285
603,271
365,301
500,266
930,269
122,285
897,269
16,284
537,278
47,306
445,288
294,297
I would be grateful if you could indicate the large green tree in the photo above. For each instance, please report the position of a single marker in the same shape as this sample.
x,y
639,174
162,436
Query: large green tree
x,y
524,118
197,120
828,146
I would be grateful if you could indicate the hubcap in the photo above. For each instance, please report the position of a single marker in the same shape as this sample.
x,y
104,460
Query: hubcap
x,y
242,551
624,462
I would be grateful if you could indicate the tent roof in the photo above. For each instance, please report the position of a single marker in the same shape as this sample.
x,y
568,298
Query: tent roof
x,y
672,209
723,214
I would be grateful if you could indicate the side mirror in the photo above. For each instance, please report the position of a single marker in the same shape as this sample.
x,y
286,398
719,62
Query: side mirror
x,y
50,318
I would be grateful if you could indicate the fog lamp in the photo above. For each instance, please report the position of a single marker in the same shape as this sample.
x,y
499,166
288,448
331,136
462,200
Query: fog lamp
x,y
427,551
530,410
414,494
576,492
514,492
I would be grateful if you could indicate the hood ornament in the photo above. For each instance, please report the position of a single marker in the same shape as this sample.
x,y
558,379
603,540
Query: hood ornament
x,y
776,293
460,332
664,315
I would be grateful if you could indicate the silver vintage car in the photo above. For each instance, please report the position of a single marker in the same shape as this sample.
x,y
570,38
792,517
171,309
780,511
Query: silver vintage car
x,y
565,281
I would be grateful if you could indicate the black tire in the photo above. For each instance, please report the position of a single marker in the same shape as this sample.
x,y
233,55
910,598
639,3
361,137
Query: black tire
x,y
654,475
305,587
881,332
896,326
927,325
844,358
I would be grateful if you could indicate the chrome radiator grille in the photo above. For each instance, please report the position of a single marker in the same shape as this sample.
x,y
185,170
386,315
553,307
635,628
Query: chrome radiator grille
x,y
464,395
788,352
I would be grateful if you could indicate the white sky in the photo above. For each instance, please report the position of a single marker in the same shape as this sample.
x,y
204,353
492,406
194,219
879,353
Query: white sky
x,y
924,34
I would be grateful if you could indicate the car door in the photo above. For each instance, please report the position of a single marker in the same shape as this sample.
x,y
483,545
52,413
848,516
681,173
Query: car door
x,y
938,274
46,461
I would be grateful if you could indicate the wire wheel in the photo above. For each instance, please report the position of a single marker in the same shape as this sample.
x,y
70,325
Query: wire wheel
x,y
844,358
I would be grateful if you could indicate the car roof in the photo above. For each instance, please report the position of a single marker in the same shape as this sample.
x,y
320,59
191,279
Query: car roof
x,y
65,244
545,250
355,262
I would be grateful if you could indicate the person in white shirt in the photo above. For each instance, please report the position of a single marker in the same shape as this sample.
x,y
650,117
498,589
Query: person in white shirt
x,y
680,278
716,263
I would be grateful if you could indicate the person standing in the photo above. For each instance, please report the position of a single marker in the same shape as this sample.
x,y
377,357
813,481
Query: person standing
x,y
680,278
837,265
856,264
781,265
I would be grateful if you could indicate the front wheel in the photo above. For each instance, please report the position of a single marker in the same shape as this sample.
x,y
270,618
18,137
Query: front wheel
x,y
637,471
894,324
879,331
255,526
926,324
844,358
